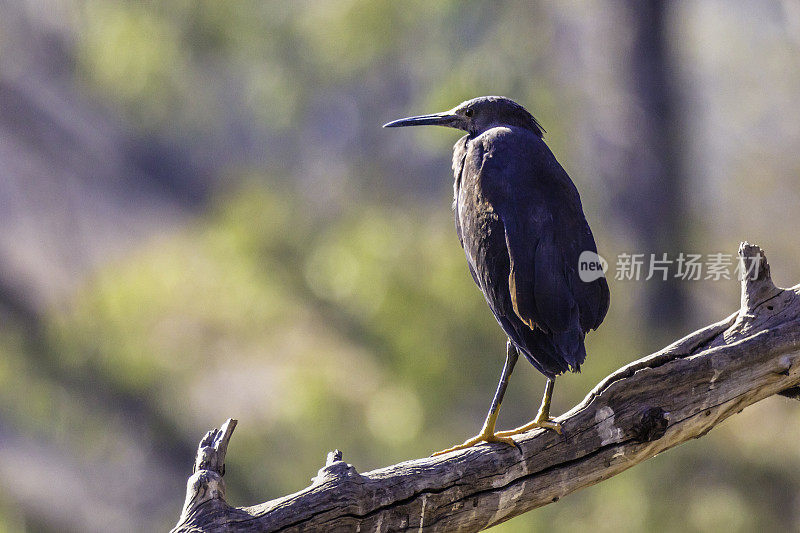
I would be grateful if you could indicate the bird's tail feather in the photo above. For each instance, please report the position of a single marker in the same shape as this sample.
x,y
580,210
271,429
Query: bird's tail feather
x,y
555,353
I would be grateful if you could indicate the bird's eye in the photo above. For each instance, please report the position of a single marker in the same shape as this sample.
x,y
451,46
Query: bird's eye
x,y
468,112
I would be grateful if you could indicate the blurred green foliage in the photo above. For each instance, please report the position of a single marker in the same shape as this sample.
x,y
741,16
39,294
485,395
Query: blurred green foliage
x,y
346,324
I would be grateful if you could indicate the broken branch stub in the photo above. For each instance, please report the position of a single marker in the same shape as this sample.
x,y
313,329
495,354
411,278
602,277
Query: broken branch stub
x,y
206,484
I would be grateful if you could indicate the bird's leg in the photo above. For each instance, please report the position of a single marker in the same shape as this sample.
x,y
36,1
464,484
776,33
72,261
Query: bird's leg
x,y
542,419
487,434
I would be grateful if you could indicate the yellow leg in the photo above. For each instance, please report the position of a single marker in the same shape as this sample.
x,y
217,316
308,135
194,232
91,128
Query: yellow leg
x,y
542,419
487,433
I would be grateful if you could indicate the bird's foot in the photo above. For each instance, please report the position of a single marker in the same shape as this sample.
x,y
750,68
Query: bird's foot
x,y
540,422
485,436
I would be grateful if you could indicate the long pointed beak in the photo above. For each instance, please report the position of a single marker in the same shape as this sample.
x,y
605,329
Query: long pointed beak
x,y
436,119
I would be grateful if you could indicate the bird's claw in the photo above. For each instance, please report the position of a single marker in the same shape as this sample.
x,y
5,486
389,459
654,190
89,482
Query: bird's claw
x,y
546,424
483,437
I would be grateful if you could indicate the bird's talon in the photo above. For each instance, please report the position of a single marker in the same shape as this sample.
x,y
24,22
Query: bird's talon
x,y
545,424
483,437
551,424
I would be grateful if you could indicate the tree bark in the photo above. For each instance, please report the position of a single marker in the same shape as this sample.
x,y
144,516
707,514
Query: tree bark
x,y
642,409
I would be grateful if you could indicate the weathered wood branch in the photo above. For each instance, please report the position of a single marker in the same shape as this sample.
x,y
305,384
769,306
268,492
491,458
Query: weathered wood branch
x,y
642,409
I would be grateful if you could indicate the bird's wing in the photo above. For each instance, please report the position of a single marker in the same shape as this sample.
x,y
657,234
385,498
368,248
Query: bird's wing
x,y
545,231
572,237
539,289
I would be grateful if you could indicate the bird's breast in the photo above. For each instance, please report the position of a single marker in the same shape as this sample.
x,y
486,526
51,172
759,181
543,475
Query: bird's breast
x,y
480,228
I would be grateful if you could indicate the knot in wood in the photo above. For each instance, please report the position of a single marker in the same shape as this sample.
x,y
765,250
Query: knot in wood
x,y
337,470
652,425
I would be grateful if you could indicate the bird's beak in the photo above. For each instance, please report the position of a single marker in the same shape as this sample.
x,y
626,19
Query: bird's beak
x,y
437,119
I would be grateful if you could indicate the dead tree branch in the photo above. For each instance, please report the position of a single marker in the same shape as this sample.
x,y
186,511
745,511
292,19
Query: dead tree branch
x,y
642,409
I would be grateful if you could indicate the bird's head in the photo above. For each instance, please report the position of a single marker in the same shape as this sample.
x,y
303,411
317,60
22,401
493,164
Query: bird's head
x,y
476,116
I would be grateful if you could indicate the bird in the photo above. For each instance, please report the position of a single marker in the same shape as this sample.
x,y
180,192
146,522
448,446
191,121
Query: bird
x,y
521,224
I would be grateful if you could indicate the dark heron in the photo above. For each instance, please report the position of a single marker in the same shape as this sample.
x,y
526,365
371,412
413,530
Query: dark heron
x,y
528,245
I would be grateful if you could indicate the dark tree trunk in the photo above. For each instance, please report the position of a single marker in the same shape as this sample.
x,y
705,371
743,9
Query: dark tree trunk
x,y
653,194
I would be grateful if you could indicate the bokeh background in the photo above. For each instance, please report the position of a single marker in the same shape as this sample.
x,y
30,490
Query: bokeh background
x,y
200,217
